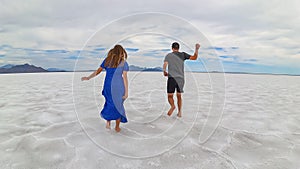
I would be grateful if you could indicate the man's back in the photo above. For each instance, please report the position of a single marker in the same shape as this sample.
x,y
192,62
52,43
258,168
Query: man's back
x,y
176,64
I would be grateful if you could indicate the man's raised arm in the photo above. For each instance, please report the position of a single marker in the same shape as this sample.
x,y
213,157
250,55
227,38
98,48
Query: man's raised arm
x,y
195,56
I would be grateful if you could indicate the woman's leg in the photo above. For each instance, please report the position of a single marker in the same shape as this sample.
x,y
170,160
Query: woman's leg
x,y
117,128
108,124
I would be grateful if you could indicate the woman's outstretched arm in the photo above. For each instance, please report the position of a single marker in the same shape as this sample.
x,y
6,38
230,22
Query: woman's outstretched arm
x,y
93,74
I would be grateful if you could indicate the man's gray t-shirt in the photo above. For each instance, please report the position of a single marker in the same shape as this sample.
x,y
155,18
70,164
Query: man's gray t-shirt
x,y
176,63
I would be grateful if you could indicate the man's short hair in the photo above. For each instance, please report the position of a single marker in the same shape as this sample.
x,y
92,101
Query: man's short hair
x,y
175,45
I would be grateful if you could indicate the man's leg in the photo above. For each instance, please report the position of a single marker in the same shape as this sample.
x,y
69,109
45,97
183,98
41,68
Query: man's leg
x,y
180,84
171,102
170,90
179,104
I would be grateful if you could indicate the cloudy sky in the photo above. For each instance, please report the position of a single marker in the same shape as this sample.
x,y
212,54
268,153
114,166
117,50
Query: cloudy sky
x,y
245,35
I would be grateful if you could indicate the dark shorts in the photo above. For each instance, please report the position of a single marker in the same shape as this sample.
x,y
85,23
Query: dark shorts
x,y
175,83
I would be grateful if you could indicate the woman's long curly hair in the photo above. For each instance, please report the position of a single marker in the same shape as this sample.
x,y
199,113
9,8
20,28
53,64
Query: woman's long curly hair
x,y
115,56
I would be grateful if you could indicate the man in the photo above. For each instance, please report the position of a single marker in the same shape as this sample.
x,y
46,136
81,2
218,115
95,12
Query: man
x,y
175,63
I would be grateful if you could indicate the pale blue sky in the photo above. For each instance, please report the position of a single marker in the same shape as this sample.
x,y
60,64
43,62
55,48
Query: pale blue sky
x,y
247,36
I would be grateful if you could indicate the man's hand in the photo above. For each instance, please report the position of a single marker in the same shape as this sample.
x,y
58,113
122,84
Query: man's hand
x,y
197,46
165,73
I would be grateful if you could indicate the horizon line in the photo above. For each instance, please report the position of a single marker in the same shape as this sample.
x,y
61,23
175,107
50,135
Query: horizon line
x,y
229,72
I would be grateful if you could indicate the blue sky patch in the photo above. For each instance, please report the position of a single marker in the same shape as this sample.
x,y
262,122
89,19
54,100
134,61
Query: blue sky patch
x,y
56,51
227,56
219,49
100,49
5,46
72,57
131,49
251,60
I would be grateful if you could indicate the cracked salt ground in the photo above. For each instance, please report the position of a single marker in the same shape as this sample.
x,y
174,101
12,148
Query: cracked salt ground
x,y
39,127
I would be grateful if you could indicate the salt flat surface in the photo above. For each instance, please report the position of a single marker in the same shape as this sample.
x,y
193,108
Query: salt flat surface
x,y
50,120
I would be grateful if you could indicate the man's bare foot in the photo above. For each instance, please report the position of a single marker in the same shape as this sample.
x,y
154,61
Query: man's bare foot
x,y
108,124
171,111
179,114
118,129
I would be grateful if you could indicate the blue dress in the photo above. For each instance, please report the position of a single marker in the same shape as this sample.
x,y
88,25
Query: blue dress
x,y
113,91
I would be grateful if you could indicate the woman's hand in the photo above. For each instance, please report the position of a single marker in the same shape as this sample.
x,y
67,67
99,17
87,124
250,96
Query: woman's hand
x,y
85,78
125,79
94,74
125,96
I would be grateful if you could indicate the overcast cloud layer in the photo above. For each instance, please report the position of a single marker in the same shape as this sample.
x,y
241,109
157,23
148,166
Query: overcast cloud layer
x,y
253,36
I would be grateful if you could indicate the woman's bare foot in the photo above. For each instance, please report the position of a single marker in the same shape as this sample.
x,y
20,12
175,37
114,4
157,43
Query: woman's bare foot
x,y
108,124
118,129
179,114
171,111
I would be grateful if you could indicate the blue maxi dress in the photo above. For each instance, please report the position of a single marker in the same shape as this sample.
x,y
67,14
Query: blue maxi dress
x,y
113,91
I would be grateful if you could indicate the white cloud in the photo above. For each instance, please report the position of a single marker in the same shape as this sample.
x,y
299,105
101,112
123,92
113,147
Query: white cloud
x,y
266,31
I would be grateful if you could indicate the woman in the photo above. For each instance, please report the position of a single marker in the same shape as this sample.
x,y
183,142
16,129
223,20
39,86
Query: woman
x,y
115,89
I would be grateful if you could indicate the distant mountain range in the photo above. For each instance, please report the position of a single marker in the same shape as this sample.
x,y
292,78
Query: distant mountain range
x,y
146,69
7,66
56,70
27,68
